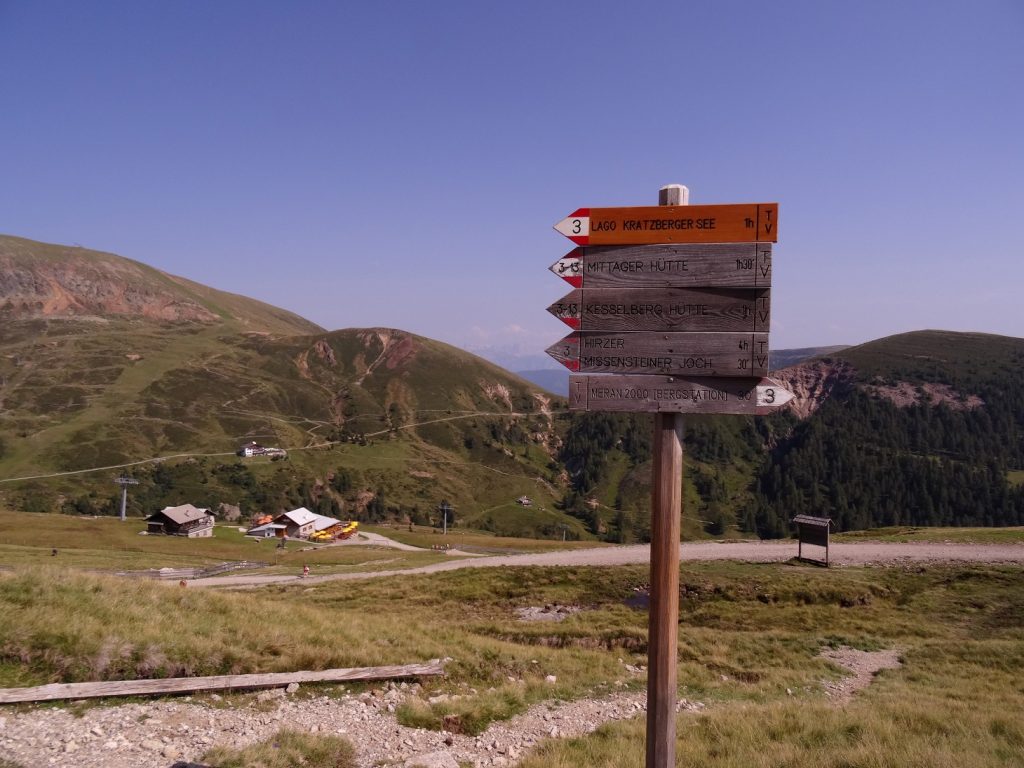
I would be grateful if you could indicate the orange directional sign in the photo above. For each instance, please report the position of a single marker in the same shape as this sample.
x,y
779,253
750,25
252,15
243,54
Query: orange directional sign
x,y
675,394
650,225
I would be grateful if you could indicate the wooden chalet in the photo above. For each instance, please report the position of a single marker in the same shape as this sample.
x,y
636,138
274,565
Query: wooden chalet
x,y
183,520
299,524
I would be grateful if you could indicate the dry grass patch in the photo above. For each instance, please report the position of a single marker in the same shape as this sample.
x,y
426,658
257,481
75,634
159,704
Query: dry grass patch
x,y
286,749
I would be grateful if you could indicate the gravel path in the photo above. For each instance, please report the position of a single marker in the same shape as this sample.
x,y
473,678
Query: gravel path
x,y
863,664
861,553
156,735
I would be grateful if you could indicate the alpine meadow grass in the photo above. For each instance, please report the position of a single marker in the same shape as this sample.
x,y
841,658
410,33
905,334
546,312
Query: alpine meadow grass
x,y
750,641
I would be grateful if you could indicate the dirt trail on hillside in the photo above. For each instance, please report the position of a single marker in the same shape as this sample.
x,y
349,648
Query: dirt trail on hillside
x,y
861,553
863,664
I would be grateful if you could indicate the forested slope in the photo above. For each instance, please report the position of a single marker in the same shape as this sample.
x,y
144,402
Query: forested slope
x,y
928,431
924,428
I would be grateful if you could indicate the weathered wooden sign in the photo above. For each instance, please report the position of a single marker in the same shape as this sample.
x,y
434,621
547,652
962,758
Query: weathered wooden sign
x,y
665,309
727,265
650,225
673,353
676,394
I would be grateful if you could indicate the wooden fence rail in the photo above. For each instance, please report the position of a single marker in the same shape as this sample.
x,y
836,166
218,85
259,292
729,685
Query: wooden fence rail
x,y
193,573
56,691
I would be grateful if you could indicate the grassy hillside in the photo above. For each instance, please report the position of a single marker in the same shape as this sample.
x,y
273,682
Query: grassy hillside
x,y
967,361
364,414
106,362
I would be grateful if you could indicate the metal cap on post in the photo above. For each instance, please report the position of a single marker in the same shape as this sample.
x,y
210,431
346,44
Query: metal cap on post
x,y
674,194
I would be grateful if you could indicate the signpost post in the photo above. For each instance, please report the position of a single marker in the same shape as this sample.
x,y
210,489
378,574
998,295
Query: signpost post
x,y
674,302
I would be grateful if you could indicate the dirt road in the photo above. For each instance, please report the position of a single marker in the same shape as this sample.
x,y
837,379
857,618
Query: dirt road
x,y
861,553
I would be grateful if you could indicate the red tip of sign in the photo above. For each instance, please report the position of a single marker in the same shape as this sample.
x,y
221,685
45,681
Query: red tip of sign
x,y
570,268
576,226
572,322
572,365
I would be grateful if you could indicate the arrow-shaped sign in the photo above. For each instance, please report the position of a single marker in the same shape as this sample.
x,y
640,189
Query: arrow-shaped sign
x,y
665,309
675,394
680,354
649,225
725,265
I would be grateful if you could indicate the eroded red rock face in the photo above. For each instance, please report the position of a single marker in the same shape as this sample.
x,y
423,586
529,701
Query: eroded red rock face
x,y
401,350
813,382
904,394
86,287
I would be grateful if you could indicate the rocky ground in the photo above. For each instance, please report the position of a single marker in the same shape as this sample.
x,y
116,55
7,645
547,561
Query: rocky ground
x,y
160,734
178,732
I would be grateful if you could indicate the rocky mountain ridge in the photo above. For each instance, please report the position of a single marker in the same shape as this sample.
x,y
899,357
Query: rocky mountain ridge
x,y
46,281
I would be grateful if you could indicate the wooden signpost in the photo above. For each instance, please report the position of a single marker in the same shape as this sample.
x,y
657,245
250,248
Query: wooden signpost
x,y
673,307
684,354
732,265
665,309
697,394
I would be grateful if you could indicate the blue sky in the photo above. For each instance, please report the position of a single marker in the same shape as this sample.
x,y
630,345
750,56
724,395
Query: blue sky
x,y
402,163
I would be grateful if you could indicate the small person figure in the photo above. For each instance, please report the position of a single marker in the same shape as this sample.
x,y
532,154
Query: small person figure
x,y
305,571
182,583
54,553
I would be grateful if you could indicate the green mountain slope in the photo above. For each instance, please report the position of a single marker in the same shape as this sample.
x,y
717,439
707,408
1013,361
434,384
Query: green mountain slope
x,y
411,416
105,362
